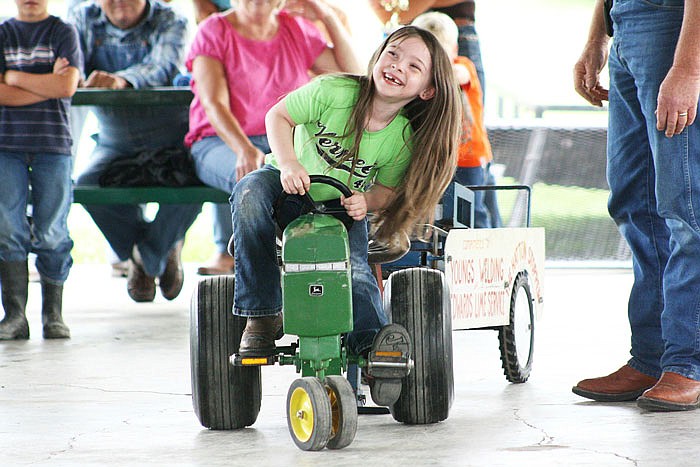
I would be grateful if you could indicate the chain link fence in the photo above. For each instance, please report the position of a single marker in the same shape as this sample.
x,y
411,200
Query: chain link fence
x,y
566,169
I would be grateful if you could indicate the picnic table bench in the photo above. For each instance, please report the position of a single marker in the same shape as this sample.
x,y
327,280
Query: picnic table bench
x,y
158,96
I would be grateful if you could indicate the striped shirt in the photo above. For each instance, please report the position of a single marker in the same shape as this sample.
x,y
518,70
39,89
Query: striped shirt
x,y
33,48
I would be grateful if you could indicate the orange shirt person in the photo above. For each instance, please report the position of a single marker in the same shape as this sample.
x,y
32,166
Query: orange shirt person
x,y
475,151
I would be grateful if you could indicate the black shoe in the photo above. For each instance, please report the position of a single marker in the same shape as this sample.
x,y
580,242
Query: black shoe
x,y
389,361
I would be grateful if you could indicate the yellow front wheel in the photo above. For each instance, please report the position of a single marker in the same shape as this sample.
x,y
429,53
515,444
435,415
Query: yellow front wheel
x,y
309,416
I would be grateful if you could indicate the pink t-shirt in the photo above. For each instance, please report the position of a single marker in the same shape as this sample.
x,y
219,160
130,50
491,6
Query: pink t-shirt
x,y
258,73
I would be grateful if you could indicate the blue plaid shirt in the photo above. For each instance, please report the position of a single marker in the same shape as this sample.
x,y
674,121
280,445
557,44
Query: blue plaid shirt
x,y
147,55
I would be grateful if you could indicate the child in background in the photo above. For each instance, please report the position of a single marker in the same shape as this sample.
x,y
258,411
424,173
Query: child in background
x,y
39,62
391,136
475,151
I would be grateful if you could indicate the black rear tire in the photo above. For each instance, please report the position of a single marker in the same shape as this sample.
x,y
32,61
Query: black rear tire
x,y
224,397
516,341
418,299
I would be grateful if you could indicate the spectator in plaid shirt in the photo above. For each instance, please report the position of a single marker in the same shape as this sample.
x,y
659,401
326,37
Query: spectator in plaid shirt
x,y
136,44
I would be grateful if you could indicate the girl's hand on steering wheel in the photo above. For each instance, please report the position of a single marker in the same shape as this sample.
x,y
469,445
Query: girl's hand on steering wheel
x,y
295,180
355,205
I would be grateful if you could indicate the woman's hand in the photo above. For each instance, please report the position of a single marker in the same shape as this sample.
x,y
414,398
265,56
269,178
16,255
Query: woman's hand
x,y
294,177
248,160
355,205
313,10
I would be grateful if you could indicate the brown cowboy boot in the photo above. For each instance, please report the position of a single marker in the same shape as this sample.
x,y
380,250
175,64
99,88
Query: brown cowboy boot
x,y
259,336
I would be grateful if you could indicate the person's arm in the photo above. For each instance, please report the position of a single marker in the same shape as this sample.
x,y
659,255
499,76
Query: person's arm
x,y
375,199
461,73
415,8
280,134
12,96
203,9
212,91
592,60
60,83
102,79
340,57
678,93
162,63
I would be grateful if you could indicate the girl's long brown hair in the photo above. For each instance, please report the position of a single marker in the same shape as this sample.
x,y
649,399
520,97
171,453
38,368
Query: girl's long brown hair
x,y
436,125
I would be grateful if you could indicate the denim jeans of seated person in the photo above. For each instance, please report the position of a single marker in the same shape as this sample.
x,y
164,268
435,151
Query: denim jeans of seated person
x,y
123,133
215,164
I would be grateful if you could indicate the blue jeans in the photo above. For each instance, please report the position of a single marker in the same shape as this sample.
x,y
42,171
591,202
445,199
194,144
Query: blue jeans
x,y
258,289
52,194
215,164
124,225
491,199
654,183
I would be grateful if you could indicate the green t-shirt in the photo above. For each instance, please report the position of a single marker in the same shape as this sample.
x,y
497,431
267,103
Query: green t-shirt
x,y
322,110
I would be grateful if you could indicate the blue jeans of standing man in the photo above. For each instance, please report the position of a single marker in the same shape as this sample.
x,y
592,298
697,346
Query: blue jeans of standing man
x,y
654,183
52,194
258,290
124,133
215,164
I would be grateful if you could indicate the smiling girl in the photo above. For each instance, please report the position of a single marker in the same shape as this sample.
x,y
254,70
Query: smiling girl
x,y
391,136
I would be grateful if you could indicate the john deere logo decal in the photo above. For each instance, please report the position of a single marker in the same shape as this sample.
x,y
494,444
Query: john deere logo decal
x,y
316,290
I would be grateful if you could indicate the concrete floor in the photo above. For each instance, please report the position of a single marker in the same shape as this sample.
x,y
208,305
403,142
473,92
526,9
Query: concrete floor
x,y
118,393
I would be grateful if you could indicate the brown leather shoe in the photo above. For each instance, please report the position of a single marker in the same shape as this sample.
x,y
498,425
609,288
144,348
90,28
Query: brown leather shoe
x,y
222,264
259,335
380,252
672,393
170,282
626,384
140,286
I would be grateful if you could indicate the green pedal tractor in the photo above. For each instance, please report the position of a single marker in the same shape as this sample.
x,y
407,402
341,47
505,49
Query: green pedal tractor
x,y
322,405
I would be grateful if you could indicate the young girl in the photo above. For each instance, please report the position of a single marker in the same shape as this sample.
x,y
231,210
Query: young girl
x,y
391,136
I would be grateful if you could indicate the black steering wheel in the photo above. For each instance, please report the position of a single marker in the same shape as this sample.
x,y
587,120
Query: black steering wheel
x,y
331,207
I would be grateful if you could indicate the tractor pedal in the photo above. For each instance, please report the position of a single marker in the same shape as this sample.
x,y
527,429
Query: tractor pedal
x,y
388,363
390,356
239,360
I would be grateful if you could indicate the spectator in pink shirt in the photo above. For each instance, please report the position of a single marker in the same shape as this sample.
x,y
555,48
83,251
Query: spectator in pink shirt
x,y
243,61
